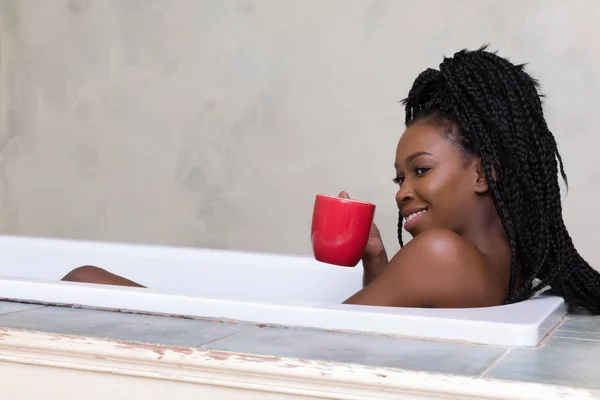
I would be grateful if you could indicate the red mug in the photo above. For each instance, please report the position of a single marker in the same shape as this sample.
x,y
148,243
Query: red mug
x,y
340,229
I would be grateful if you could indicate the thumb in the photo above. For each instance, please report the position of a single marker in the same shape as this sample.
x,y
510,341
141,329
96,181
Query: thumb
x,y
343,195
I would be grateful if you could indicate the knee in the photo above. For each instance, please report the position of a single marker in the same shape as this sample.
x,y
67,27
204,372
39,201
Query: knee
x,y
86,273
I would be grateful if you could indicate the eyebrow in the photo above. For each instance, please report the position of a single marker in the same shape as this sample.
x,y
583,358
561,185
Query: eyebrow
x,y
415,155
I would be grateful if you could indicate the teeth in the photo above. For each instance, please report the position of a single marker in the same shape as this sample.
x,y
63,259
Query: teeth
x,y
411,216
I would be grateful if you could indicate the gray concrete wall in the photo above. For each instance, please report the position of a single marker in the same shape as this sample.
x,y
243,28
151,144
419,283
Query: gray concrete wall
x,y
214,123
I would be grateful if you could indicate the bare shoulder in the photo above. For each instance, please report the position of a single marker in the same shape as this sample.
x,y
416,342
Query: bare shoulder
x,y
438,268
446,248
447,270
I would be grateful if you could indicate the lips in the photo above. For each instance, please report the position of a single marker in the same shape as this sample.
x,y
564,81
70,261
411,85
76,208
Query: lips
x,y
412,217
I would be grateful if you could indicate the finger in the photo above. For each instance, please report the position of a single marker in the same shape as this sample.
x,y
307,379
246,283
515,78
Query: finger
x,y
375,231
343,195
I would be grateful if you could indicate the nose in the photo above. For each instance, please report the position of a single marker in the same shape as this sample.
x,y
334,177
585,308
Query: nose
x,y
405,193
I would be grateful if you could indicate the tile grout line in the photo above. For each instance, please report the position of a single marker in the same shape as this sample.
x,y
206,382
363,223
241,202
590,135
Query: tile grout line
x,y
580,332
229,337
494,363
19,311
576,338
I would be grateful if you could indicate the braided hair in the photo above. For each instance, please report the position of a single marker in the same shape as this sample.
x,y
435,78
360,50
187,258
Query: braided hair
x,y
492,108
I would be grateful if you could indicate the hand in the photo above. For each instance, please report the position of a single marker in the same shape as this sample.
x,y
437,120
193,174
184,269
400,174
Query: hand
x,y
375,251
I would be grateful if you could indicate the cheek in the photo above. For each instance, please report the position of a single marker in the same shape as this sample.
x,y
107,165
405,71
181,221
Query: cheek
x,y
437,186
445,191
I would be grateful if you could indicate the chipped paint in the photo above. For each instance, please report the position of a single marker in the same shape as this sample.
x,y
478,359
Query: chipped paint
x,y
216,355
181,367
258,358
156,348
221,355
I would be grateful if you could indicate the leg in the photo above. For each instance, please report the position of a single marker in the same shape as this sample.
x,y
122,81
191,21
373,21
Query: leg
x,y
91,274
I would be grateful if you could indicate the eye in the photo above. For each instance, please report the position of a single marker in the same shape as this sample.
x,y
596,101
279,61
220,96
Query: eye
x,y
419,171
398,180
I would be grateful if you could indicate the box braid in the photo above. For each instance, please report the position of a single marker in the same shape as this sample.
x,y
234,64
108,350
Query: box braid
x,y
491,108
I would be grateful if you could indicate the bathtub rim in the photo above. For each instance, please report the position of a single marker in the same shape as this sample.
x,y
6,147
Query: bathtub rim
x,y
393,322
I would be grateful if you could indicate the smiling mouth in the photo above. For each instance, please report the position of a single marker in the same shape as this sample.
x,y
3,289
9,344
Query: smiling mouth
x,y
415,214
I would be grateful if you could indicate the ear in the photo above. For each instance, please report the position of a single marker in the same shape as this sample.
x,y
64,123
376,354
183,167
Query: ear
x,y
480,184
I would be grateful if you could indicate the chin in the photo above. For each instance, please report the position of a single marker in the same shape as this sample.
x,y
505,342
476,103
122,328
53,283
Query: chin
x,y
415,232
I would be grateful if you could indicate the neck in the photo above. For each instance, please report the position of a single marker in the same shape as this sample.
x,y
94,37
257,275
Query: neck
x,y
487,234
485,230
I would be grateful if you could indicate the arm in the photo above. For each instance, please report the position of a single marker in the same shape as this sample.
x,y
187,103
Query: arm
x,y
437,268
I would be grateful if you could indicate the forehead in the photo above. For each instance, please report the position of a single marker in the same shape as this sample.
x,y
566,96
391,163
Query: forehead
x,y
423,137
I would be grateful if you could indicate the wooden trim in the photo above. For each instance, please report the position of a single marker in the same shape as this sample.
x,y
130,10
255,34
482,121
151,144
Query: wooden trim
x,y
279,375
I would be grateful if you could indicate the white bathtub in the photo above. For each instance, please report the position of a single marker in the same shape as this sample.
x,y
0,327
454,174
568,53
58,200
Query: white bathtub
x,y
255,287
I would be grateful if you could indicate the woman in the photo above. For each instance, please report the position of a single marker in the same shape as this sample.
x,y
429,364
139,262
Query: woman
x,y
477,170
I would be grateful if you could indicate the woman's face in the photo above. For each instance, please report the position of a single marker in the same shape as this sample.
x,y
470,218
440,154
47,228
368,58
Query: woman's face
x,y
438,184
